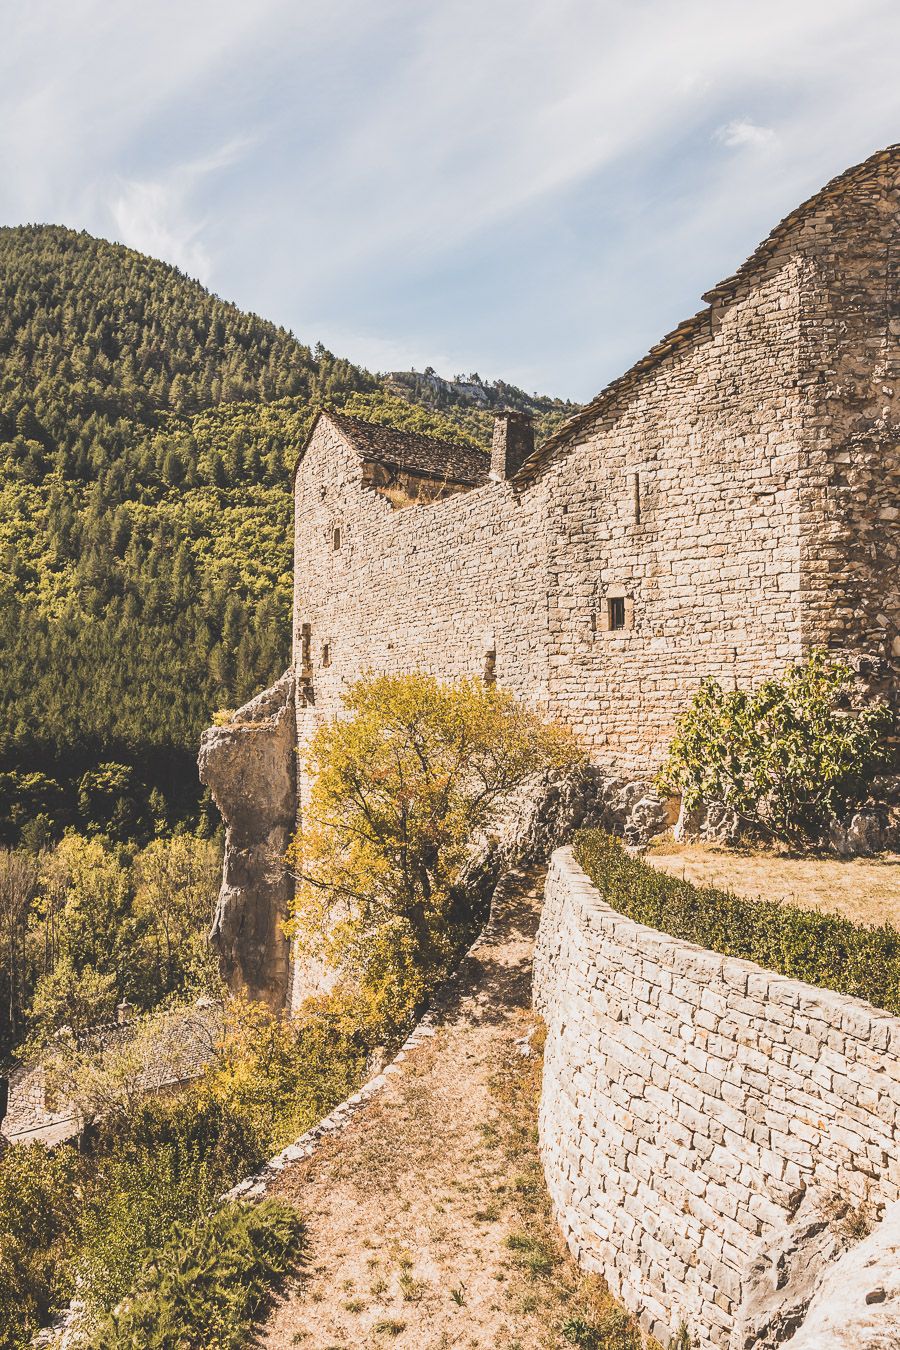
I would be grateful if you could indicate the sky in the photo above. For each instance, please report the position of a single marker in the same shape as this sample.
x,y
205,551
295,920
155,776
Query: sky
x,y
536,190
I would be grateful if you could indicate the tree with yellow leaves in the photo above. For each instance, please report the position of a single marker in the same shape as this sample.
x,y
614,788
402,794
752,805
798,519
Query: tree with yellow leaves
x,y
403,784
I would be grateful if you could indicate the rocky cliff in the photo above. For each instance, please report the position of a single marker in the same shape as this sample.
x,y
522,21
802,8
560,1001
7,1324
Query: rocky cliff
x,y
249,766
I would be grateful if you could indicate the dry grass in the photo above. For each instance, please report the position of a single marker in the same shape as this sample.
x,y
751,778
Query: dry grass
x,y
571,1308
864,890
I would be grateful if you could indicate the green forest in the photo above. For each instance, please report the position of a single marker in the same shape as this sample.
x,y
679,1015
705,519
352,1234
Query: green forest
x,y
147,433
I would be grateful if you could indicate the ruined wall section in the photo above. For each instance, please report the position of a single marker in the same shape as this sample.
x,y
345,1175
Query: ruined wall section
x,y
438,586
691,1102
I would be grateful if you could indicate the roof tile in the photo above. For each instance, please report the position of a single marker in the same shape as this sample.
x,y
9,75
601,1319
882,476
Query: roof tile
x,y
410,451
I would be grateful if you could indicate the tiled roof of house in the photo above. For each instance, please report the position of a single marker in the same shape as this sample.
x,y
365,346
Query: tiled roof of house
x,y
410,451
687,331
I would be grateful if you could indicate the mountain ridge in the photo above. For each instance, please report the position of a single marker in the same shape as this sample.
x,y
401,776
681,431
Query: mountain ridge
x,y
147,432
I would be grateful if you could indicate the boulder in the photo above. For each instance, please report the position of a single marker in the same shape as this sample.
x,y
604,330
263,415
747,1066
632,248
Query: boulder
x,y
861,836
713,822
782,1277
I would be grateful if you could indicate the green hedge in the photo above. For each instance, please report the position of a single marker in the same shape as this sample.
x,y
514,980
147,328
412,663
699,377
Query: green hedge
x,y
209,1282
821,949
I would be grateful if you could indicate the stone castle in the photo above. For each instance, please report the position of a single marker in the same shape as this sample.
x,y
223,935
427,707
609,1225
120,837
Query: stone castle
x,y
728,504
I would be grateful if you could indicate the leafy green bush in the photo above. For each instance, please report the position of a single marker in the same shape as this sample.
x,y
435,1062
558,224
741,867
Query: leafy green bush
x,y
208,1282
821,949
788,757
38,1205
167,1162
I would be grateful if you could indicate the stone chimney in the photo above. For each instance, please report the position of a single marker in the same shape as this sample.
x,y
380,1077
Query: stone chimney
x,y
512,443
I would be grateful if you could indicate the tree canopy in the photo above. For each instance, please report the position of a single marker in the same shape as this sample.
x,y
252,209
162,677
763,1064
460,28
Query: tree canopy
x,y
402,786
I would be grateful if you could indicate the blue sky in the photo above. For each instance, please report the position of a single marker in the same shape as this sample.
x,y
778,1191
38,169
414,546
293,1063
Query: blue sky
x,y
533,189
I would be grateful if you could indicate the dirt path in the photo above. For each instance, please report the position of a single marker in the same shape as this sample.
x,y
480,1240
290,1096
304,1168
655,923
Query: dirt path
x,y
422,1213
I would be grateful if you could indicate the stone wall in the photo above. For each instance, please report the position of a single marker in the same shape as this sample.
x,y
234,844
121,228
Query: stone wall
x,y
692,1104
736,491
433,587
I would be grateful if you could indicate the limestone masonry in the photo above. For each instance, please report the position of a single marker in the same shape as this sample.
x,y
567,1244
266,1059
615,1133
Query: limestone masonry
x,y
696,1110
727,505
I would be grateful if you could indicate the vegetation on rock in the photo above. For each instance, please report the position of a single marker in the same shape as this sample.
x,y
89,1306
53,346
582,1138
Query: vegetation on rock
x,y
820,949
789,757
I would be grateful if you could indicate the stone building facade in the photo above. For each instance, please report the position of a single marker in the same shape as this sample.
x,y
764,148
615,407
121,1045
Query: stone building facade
x,y
726,505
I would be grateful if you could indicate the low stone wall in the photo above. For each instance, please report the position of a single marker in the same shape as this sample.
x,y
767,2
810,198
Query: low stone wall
x,y
692,1105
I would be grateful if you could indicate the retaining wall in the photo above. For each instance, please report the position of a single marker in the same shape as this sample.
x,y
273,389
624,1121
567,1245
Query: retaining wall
x,y
691,1101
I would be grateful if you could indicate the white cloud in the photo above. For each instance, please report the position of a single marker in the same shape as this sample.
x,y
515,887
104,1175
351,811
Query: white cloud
x,y
743,132
158,217
535,184
150,217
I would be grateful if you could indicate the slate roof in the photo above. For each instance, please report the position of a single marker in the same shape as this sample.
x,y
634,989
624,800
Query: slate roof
x,y
686,332
410,451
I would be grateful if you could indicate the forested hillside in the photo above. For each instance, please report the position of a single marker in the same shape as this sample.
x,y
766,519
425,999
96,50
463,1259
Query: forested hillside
x,y
147,430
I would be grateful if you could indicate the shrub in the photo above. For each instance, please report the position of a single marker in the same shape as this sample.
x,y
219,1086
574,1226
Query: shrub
x,y
208,1282
820,949
615,1331
788,757
38,1205
402,784
166,1163
278,1075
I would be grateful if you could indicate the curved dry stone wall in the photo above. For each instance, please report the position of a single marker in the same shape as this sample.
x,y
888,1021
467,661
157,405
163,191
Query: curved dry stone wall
x,y
701,1119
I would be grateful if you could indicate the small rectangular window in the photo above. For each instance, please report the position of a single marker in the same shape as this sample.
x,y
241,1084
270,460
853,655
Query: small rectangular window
x,y
336,538
617,611
326,655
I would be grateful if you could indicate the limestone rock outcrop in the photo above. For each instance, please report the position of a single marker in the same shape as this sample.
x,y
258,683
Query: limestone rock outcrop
x,y
857,1304
249,765
783,1275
